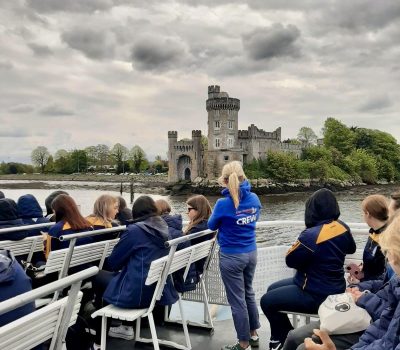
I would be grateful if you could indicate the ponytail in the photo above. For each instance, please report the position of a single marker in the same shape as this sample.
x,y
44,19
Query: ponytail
x,y
233,187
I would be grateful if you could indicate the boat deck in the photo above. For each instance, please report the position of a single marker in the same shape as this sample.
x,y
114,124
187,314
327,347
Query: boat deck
x,y
224,333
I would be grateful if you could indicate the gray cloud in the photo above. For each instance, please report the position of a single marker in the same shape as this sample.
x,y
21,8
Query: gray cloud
x,y
376,104
95,44
11,133
272,42
22,108
40,50
89,6
6,65
55,110
157,53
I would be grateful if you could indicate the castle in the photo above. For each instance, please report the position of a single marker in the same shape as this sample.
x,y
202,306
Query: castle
x,y
189,159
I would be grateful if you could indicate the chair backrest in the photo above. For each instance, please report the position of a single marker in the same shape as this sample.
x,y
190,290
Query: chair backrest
x,y
82,254
49,322
37,327
25,246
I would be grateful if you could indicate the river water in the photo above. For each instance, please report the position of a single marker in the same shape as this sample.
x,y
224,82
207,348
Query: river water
x,y
275,207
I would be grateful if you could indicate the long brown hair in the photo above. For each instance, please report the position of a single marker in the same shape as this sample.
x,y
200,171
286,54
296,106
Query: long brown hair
x,y
376,205
66,209
202,207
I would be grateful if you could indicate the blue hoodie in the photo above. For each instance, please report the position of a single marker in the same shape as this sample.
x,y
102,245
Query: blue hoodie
x,y
31,213
9,218
139,245
236,227
13,281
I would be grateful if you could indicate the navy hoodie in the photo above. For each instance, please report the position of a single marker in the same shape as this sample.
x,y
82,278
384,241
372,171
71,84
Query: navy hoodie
x,y
31,213
9,218
319,252
139,245
13,281
236,227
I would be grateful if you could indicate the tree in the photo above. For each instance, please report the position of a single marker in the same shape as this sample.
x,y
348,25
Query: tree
x,y
78,161
40,155
307,136
119,153
102,154
138,157
338,135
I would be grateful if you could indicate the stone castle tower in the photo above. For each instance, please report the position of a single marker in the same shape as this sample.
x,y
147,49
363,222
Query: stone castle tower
x,y
188,159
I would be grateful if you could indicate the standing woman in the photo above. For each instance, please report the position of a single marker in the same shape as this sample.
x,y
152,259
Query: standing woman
x,y
235,218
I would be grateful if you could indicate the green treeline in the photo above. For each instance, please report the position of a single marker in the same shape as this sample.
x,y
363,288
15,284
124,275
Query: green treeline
x,y
346,154
118,159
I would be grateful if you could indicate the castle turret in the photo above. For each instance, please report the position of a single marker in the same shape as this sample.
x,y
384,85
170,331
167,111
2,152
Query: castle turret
x,y
172,169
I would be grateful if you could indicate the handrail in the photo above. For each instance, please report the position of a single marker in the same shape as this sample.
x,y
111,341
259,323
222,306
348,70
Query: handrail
x,y
26,227
91,233
47,289
176,241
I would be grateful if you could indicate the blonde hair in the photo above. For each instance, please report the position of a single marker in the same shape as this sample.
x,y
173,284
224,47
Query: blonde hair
x,y
376,205
102,207
203,210
389,240
163,206
232,176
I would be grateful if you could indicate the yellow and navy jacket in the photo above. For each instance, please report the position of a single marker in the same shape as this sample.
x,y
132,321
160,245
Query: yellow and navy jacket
x,y
373,258
64,228
319,252
99,224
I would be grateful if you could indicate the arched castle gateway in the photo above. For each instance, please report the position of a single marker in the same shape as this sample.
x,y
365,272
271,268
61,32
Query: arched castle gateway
x,y
189,159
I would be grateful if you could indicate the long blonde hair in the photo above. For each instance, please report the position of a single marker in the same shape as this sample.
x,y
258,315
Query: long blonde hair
x,y
232,176
102,207
202,207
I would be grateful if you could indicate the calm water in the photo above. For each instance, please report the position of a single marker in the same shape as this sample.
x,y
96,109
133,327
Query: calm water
x,y
275,207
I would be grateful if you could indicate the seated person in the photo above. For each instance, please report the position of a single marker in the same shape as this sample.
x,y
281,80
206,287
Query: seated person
x,y
318,257
141,243
383,333
124,215
68,220
31,213
2,195
394,204
9,218
49,210
104,210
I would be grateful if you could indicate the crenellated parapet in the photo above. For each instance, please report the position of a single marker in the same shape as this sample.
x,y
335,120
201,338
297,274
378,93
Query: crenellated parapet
x,y
196,133
227,103
172,134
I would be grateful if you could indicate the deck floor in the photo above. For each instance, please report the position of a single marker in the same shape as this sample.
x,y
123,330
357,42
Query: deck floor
x,y
224,333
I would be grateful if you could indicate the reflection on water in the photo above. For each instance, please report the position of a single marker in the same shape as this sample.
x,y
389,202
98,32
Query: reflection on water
x,y
275,207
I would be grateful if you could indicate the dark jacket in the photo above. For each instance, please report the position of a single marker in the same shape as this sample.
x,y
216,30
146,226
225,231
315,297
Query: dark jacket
x,y
124,216
319,252
201,226
373,258
384,332
9,218
31,213
138,246
175,226
13,281
62,228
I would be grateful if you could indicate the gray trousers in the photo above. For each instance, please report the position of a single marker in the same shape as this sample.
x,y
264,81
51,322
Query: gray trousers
x,y
295,338
237,272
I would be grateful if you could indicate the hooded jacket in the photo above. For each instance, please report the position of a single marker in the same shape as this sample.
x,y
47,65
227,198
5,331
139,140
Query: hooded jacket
x,y
13,281
138,246
373,259
236,227
319,252
384,332
9,218
31,213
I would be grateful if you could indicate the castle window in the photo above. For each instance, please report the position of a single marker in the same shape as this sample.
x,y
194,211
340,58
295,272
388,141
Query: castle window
x,y
217,143
217,124
226,158
230,142
230,124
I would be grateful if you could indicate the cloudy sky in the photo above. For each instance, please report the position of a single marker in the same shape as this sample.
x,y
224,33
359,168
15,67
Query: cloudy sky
x,y
75,73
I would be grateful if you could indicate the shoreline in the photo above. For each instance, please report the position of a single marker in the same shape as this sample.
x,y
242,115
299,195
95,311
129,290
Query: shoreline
x,y
159,185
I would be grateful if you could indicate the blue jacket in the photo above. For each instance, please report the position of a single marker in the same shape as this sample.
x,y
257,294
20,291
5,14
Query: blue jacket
x,y
319,252
9,218
175,226
63,228
138,246
236,227
373,259
384,332
13,281
31,213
